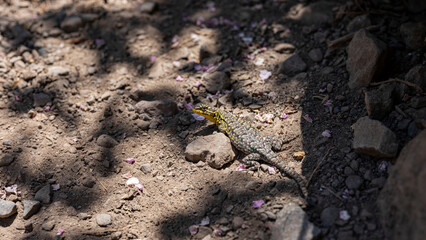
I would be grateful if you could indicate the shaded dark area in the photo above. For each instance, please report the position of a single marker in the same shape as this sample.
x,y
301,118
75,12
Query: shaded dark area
x,y
298,92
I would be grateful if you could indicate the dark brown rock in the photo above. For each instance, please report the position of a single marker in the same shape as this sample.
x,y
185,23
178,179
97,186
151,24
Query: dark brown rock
x,y
403,199
413,34
293,64
371,137
156,108
366,58
216,81
379,102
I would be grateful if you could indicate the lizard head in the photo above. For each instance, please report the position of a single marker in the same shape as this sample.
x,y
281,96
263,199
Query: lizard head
x,y
205,111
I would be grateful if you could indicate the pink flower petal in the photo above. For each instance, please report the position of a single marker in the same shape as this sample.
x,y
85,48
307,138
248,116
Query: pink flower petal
x,y
12,189
205,221
47,108
153,58
272,170
193,229
307,118
264,74
99,42
175,39
176,64
383,165
258,203
344,215
326,133
198,67
218,232
139,186
328,103
189,106
179,78
284,115
197,84
198,117
56,187
60,232
241,168
130,160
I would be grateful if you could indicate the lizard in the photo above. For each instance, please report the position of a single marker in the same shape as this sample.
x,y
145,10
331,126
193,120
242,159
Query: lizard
x,y
248,140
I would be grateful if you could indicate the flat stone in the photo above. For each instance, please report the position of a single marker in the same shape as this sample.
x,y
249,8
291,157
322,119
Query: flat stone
x,y
293,64
413,34
6,160
353,182
292,223
402,201
379,102
214,149
371,137
28,74
41,99
146,168
58,71
30,208
416,75
83,216
366,58
329,216
71,24
157,107
106,141
44,194
7,208
216,81
148,7
103,220
48,225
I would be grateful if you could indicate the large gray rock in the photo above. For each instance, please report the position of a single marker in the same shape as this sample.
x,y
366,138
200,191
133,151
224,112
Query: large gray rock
x,y
371,137
215,149
379,102
292,223
366,58
216,81
41,99
44,194
402,201
7,208
157,107
30,208
293,64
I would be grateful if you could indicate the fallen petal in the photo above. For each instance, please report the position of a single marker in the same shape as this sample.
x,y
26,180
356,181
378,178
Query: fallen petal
x,y
60,232
383,165
344,215
307,118
176,64
193,229
153,58
198,117
258,203
272,170
130,160
132,181
205,221
326,133
189,106
12,189
139,186
198,67
179,78
241,167
56,187
264,74
217,232
284,115
197,84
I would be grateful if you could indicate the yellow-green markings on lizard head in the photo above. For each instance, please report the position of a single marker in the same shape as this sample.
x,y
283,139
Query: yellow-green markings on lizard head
x,y
205,111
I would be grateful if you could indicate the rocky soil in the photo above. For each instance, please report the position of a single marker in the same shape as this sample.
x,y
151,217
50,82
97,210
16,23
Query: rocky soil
x,y
97,140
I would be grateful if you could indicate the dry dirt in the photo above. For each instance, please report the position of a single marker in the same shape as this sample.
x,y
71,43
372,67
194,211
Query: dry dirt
x,y
110,67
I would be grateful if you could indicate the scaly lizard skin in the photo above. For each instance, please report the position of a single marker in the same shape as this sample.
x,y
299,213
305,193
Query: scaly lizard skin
x,y
248,140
